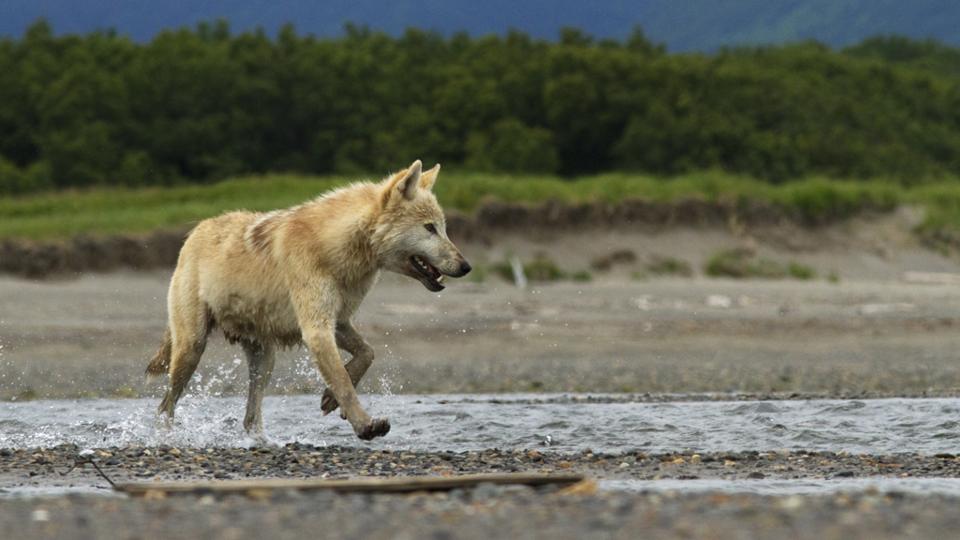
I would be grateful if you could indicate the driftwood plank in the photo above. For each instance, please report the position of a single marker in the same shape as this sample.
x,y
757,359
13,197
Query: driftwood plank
x,y
374,485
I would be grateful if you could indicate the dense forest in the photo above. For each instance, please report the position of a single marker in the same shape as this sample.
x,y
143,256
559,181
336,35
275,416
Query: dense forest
x,y
197,105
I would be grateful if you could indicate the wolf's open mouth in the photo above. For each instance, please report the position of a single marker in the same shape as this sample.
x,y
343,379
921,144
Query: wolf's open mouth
x,y
427,274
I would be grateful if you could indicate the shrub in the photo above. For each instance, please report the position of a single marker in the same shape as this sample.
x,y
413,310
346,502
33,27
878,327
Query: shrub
x,y
11,177
800,271
742,263
542,268
582,276
668,266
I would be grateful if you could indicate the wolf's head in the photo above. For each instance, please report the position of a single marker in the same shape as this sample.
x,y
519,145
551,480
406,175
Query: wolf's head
x,y
411,232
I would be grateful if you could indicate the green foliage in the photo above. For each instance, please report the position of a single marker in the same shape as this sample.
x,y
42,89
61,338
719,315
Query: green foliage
x,y
800,271
503,270
15,180
511,146
581,276
743,263
11,176
668,266
203,104
542,268
928,54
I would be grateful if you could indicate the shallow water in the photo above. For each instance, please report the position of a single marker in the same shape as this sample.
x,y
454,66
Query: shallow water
x,y
53,491
473,422
885,485
913,486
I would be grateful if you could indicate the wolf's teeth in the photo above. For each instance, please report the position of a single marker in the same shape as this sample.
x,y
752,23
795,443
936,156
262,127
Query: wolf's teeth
x,y
440,279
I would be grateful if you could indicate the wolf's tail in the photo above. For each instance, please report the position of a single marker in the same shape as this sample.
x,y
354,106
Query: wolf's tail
x,y
161,361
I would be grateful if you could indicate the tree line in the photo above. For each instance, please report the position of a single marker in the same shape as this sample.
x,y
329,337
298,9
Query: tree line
x,y
202,104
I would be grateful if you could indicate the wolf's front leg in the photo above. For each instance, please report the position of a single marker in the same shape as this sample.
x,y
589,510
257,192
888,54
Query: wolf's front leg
x,y
351,341
324,348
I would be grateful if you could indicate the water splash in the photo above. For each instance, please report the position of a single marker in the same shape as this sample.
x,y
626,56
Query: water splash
x,y
456,422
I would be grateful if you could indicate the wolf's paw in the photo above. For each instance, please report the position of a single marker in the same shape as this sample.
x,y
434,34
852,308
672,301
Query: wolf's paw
x,y
260,440
328,403
378,427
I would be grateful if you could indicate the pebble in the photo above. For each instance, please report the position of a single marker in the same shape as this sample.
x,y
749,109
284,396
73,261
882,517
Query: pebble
x,y
307,461
485,512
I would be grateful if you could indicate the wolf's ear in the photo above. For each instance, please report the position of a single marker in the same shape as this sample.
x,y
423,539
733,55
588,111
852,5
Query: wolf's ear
x,y
406,182
428,178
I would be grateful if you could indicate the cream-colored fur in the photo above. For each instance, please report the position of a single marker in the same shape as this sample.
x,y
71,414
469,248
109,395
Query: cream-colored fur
x,y
280,278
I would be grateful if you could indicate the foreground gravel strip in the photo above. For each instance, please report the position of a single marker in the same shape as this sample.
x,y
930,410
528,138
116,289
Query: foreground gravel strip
x,y
486,512
45,467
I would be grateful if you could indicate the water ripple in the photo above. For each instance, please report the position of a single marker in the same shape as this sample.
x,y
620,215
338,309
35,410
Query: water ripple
x,y
476,422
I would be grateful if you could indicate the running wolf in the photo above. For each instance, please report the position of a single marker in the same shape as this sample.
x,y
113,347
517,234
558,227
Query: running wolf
x,y
282,278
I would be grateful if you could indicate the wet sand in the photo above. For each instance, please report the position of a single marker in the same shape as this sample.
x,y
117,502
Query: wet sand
x,y
93,336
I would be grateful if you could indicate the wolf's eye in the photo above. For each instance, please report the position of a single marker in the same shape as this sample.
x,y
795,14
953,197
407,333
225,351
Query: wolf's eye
x,y
431,227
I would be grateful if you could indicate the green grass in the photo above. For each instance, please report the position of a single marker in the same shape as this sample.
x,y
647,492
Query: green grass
x,y
743,263
800,271
111,211
543,268
582,276
942,204
668,266
114,210
540,269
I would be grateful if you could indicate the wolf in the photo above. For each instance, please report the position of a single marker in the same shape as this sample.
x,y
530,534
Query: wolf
x,y
297,276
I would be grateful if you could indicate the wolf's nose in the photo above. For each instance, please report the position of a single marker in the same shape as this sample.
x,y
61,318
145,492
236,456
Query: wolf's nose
x,y
465,268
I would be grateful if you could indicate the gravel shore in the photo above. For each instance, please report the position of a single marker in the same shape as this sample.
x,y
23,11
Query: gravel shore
x,y
56,466
483,512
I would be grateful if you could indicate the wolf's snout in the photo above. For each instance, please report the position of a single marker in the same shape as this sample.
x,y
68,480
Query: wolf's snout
x,y
464,269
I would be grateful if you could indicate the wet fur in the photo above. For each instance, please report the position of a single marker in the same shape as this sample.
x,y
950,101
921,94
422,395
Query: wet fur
x,y
282,278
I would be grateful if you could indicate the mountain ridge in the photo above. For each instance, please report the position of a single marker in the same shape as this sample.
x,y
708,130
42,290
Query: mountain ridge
x,y
691,25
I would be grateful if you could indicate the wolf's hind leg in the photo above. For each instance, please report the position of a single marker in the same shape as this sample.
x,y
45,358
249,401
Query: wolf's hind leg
x,y
189,342
260,360
351,341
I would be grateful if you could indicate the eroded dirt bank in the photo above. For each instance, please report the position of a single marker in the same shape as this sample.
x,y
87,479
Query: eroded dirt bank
x,y
490,222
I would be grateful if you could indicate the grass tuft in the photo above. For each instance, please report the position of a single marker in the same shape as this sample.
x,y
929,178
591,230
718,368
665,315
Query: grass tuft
x,y
741,263
668,266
